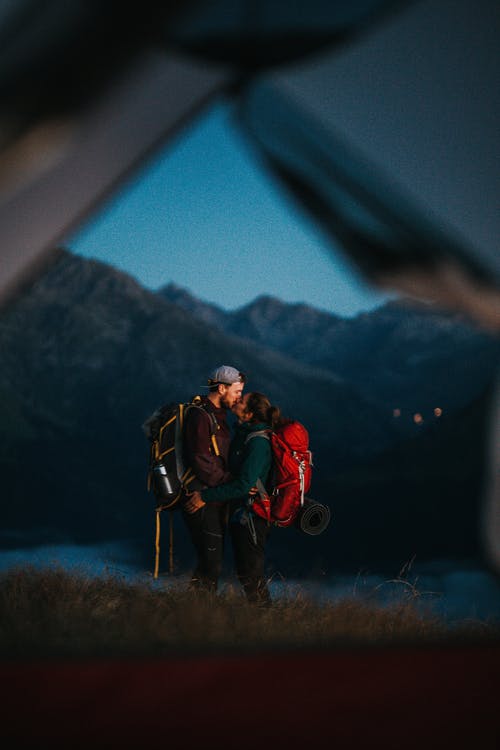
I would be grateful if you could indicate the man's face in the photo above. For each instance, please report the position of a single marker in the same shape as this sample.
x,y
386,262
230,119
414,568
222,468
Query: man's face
x,y
231,394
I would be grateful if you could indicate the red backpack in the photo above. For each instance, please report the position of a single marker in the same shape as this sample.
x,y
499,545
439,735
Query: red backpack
x,y
290,476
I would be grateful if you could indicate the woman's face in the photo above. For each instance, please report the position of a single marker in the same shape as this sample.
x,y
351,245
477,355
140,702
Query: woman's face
x,y
240,409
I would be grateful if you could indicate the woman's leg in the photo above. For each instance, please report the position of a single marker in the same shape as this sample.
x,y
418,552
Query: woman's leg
x,y
249,557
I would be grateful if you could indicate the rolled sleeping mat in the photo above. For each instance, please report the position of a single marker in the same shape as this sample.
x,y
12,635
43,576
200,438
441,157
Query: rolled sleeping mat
x,y
313,518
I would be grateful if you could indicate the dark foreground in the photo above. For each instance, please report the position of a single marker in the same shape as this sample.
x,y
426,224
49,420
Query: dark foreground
x,y
402,697
99,663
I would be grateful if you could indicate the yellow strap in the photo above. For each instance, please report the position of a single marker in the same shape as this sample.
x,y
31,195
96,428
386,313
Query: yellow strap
x,y
216,447
157,545
164,427
188,477
171,544
169,450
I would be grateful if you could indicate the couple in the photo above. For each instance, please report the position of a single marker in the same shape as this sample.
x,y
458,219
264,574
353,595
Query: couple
x,y
227,470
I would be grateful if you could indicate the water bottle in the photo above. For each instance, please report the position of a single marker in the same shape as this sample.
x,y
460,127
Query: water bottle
x,y
163,485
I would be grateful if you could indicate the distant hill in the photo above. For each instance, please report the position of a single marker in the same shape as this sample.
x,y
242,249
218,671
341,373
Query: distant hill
x,y
88,354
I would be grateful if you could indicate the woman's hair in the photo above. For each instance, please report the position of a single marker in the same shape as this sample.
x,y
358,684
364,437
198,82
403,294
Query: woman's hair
x,y
264,411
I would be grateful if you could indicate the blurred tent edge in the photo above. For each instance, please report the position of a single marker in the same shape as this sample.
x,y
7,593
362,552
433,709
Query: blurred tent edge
x,y
89,91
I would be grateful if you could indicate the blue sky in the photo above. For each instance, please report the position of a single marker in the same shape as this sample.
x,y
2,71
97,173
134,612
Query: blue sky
x,y
207,216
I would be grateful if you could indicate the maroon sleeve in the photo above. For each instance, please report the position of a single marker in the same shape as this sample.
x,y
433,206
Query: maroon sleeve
x,y
209,468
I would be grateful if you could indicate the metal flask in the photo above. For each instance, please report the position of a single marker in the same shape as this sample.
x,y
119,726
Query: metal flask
x,y
165,486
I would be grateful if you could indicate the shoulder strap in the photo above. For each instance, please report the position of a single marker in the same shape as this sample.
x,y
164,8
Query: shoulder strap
x,y
214,425
258,433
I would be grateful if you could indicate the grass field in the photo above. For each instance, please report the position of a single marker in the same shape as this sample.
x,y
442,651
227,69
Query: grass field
x,y
55,613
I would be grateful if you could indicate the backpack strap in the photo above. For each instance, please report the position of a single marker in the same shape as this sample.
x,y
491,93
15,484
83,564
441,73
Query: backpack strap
x,y
261,488
214,425
258,433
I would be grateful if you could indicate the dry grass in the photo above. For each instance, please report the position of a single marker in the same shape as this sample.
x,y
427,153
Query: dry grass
x,y
53,613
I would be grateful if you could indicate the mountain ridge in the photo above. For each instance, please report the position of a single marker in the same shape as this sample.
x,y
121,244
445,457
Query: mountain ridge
x,y
342,346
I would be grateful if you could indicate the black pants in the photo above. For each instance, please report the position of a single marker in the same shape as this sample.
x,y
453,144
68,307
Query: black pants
x,y
249,557
207,528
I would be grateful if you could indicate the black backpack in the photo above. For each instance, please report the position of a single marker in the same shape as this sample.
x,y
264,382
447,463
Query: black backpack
x,y
167,474
168,477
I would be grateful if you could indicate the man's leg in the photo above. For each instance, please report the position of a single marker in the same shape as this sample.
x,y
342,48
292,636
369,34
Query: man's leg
x,y
194,523
207,527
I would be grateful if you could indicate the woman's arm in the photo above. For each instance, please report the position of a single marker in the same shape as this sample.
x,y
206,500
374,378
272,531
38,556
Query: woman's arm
x,y
256,464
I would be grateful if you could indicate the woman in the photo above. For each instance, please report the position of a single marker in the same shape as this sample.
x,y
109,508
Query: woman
x,y
250,459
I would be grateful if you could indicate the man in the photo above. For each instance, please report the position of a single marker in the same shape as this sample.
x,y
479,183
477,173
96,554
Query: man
x,y
206,447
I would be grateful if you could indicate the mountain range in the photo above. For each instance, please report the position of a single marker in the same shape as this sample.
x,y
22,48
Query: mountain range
x,y
88,354
398,354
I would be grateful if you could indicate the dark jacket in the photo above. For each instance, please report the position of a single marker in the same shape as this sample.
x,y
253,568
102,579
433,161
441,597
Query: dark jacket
x,y
199,452
248,462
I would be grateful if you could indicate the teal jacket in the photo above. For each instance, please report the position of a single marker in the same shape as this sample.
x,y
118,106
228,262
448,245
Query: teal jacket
x,y
248,462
